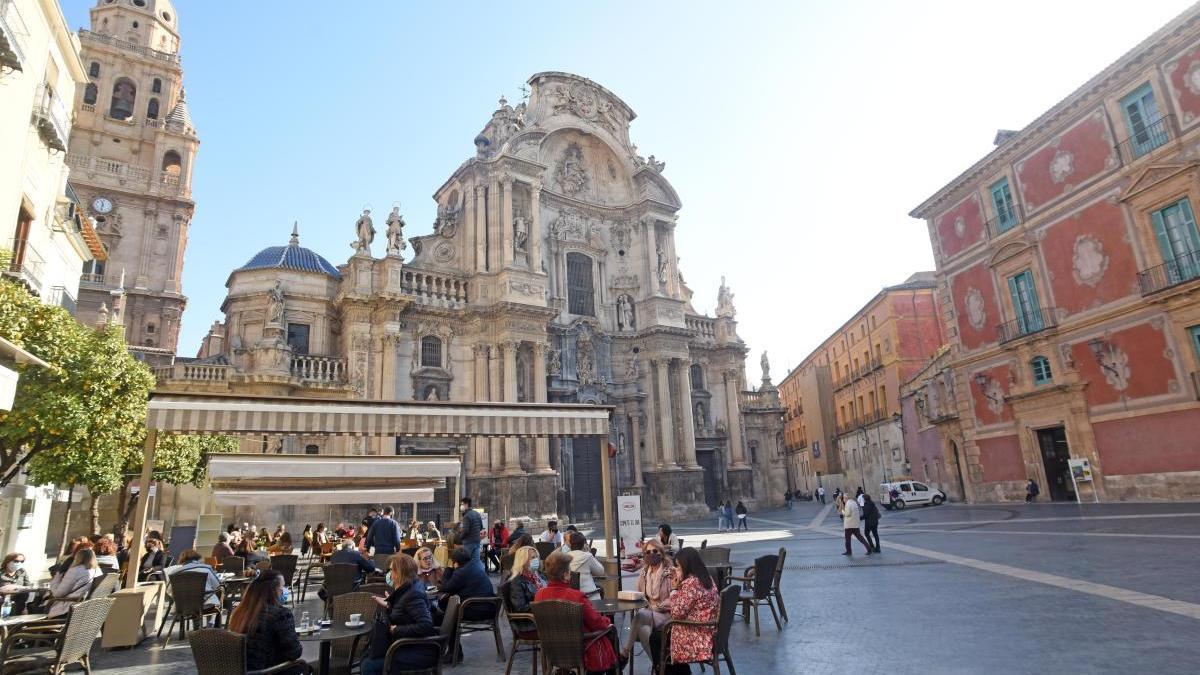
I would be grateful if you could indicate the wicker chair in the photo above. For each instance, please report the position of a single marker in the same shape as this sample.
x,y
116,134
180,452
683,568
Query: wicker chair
x,y
720,649
776,589
442,641
544,549
520,638
262,565
381,560
492,623
233,564
189,591
761,578
285,565
71,645
339,579
349,650
221,652
376,589
716,554
560,629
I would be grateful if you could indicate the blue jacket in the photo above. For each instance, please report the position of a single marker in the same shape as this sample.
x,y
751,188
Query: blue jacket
x,y
468,581
353,557
385,535
471,527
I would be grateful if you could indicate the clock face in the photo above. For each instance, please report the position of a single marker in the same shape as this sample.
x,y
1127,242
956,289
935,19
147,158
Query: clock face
x,y
102,205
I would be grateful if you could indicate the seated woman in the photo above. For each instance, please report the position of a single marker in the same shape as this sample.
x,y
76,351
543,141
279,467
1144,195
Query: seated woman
x,y
428,569
598,654
106,555
524,583
191,562
694,598
14,577
267,624
497,542
407,617
282,545
432,533
153,559
583,562
73,583
245,549
654,581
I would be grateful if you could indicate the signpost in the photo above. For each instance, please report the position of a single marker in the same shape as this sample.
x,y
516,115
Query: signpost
x,y
1081,472
629,524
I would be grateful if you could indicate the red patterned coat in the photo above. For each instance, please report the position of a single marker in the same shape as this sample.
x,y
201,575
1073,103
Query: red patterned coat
x,y
693,602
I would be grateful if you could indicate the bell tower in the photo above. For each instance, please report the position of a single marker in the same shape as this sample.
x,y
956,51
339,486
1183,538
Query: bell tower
x,y
132,152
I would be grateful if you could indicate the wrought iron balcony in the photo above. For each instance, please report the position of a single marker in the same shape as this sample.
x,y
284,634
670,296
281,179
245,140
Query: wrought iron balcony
x,y
1028,324
52,119
1171,273
12,29
59,295
997,225
1150,137
25,265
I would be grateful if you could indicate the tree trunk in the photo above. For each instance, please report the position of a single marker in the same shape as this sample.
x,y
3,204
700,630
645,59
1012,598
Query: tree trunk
x,y
62,545
94,510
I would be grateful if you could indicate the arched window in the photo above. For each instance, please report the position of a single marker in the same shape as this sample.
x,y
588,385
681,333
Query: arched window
x,y
1041,370
94,69
580,294
431,352
697,376
150,329
312,450
90,93
152,109
156,87
172,163
123,97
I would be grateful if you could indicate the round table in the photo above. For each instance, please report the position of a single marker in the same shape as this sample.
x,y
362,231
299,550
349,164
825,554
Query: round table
x,y
613,607
16,621
328,635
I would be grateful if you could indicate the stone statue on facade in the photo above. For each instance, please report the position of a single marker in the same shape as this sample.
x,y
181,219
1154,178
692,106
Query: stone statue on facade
x,y
725,301
625,312
633,369
395,232
766,367
662,265
275,304
520,235
365,229
554,362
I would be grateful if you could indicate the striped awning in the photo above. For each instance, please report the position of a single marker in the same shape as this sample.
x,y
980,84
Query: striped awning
x,y
254,415
235,497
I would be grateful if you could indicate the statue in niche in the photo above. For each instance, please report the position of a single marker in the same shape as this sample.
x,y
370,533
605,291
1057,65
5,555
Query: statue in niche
x,y
431,394
625,312
520,234
365,229
275,304
585,363
571,175
662,265
395,232
554,362
633,369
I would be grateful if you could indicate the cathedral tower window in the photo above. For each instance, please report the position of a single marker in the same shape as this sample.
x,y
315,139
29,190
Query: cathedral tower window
x,y
90,93
580,294
156,87
94,69
123,97
152,109
172,162
431,352
297,337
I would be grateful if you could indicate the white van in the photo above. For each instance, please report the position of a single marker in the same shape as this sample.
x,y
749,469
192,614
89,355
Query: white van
x,y
899,494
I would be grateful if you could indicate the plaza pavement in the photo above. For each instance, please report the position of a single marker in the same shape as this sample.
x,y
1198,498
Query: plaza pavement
x,y
1013,588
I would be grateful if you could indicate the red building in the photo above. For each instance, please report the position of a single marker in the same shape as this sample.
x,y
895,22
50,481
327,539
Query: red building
x,y
1068,264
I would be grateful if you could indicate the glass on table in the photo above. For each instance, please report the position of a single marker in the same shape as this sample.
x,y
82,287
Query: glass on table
x,y
304,625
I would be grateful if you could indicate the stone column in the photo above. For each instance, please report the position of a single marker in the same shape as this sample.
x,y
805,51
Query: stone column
x,y
734,418
512,447
664,414
651,259
652,456
495,231
483,455
688,442
495,393
635,434
480,223
535,227
506,220
541,446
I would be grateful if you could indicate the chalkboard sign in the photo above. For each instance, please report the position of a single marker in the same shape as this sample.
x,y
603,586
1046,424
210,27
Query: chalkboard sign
x,y
183,537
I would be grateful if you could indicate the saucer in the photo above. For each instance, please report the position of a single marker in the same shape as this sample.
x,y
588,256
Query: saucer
x,y
360,624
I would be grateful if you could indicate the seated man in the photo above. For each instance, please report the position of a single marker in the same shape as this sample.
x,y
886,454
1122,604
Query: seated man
x,y
191,562
467,579
222,549
347,554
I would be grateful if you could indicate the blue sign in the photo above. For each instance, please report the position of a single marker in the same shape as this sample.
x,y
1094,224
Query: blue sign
x,y
816,449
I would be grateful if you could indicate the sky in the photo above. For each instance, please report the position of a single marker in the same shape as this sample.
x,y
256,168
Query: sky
x,y
799,135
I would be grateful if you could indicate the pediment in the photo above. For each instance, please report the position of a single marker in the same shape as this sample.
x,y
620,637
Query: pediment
x,y
1010,250
654,186
1153,175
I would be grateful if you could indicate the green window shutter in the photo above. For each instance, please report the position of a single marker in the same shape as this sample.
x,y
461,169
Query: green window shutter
x,y
1016,303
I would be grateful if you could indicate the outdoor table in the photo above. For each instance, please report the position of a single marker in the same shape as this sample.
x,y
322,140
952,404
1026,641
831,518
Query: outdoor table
x,y
613,607
17,621
328,635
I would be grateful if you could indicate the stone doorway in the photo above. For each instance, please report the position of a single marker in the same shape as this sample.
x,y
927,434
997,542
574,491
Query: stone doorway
x,y
584,496
1053,444
708,460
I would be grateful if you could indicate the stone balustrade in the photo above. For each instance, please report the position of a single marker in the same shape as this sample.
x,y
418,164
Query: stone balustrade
x,y
163,181
436,289
704,327
318,368
192,372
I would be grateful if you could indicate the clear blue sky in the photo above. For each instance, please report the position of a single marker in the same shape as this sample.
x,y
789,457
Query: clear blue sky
x,y
798,134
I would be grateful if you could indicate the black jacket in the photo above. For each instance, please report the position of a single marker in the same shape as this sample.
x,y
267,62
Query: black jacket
x,y
521,592
384,534
468,581
407,617
871,513
471,528
273,640
352,557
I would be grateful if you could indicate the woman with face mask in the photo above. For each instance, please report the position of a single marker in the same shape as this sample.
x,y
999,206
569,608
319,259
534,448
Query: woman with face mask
x,y
267,624
406,615
525,581
14,577
655,582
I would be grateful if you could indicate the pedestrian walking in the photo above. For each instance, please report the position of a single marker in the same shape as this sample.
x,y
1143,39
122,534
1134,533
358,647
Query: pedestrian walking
x,y
850,522
727,514
821,493
858,497
741,516
870,519
1031,491
787,499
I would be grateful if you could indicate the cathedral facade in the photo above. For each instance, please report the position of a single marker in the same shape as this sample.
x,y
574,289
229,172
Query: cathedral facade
x,y
550,275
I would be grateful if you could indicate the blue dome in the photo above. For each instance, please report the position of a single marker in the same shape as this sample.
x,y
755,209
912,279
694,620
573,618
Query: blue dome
x,y
292,257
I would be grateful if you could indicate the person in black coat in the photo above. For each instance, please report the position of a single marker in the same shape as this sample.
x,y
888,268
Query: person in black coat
x,y
153,559
267,624
347,554
407,617
871,521
467,579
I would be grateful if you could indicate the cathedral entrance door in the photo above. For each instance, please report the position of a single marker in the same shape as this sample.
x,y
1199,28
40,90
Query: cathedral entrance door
x,y
707,458
584,497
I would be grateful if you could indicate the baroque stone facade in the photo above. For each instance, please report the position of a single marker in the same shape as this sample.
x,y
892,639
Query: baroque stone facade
x,y
550,275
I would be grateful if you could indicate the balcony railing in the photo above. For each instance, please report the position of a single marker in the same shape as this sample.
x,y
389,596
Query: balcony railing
x,y
92,278
59,295
52,119
435,289
88,35
998,225
318,369
25,265
1028,324
704,327
1146,139
12,33
1171,273
192,372
757,399
859,371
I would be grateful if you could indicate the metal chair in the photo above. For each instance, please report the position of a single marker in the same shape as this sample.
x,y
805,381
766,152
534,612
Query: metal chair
x,y
189,591
492,623
221,652
441,641
716,554
544,549
70,645
310,577
776,588
560,629
349,649
761,582
339,579
285,565
520,638
234,564
723,625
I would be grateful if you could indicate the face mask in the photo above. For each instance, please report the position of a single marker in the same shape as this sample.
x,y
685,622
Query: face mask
x,y
15,565
535,564
388,579
566,549
654,557
285,595
462,509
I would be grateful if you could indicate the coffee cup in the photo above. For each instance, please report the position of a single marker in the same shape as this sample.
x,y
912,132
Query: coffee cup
x,y
356,618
